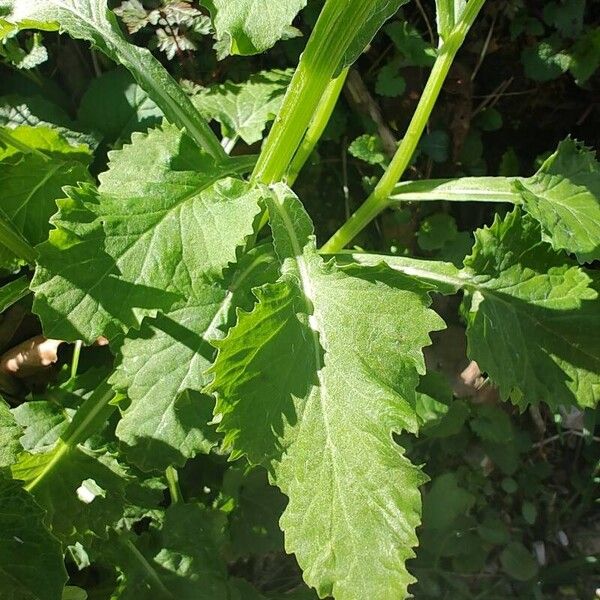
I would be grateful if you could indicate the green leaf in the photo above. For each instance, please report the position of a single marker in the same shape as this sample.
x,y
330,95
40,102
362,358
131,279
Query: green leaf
x,y
518,562
564,196
116,106
368,148
436,231
585,55
165,220
415,50
436,145
37,111
82,490
43,423
545,61
31,182
533,316
389,81
31,562
162,369
10,433
12,292
492,424
168,563
445,502
379,12
91,20
251,26
566,16
254,521
244,109
311,381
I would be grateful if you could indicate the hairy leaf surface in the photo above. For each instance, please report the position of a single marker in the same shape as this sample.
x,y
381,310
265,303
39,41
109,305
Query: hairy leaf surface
x,y
314,379
564,196
165,219
534,316
251,26
244,109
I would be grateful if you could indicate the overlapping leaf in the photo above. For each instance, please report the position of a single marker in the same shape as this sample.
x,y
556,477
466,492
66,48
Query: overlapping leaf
x,y
534,316
169,562
31,181
244,109
311,381
10,432
165,219
564,196
251,26
31,562
163,368
91,20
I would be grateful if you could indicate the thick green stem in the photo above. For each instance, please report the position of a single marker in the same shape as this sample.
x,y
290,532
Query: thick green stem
x,y
15,242
317,126
379,199
172,477
89,418
337,26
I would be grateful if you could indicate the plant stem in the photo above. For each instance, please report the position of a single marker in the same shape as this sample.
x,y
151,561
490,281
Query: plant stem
x,y
88,419
75,360
379,199
173,482
11,140
15,242
338,24
317,126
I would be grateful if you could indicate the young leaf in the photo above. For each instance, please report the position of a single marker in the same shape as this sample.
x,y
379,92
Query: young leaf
x,y
311,381
564,196
91,20
244,109
165,218
31,562
534,316
251,26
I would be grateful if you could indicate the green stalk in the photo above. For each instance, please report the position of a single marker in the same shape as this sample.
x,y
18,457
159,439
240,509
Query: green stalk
x,y
337,26
379,199
15,242
10,140
317,126
172,477
89,418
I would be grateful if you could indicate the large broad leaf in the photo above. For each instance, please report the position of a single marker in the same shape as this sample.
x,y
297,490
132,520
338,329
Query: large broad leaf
x,y
164,220
534,316
314,379
178,561
251,26
31,562
244,109
32,180
564,196
162,368
92,21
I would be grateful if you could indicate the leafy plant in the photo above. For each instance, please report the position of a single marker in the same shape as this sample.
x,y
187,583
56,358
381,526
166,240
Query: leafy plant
x,y
292,376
